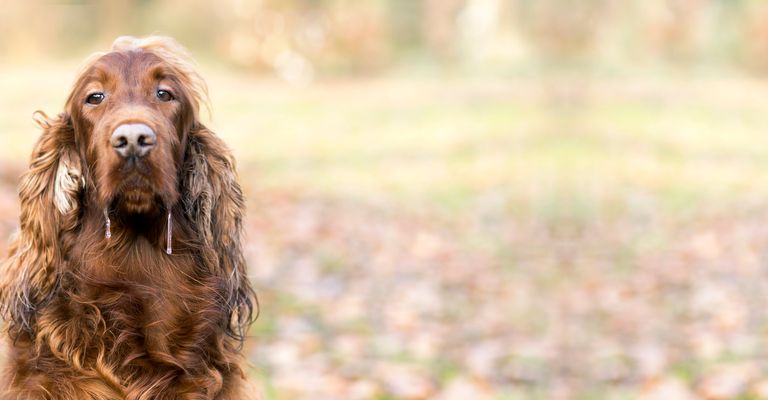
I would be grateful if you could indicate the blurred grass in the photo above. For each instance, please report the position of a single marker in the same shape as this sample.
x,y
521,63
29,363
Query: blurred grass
x,y
444,144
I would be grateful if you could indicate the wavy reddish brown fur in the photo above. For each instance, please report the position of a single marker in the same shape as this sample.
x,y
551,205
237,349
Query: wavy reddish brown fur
x,y
95,318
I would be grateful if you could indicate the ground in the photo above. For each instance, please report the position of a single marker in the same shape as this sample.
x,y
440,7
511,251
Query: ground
x,y
415,236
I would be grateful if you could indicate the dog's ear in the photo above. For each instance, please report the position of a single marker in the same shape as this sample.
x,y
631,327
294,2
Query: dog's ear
x,y
213,201
49,196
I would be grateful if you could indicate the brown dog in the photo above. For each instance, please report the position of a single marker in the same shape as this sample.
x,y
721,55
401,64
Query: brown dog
x,y
127,279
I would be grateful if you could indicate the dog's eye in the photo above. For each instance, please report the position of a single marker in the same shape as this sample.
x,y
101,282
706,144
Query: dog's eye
x,y
164,95
95,98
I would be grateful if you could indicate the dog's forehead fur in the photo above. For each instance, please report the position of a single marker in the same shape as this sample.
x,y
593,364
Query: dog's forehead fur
x,y
131,67
158,49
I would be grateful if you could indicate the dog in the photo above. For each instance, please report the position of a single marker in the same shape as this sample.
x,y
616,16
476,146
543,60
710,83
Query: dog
x,y
127,279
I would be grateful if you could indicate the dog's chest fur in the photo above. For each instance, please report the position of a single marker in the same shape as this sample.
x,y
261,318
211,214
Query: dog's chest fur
x,y
146,311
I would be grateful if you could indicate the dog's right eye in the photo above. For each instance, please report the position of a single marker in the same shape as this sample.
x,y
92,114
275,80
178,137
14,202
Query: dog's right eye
x,y
95,98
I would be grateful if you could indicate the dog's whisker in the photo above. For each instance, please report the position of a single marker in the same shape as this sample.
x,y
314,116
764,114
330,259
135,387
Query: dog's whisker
x,y
168,249
108,231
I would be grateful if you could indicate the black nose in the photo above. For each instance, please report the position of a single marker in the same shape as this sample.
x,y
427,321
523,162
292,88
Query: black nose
x,y
133,140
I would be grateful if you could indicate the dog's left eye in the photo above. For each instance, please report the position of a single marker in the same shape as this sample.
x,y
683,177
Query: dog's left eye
x,y
95,98
164,95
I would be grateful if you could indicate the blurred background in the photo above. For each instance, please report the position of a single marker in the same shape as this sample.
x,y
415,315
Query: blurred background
x,y
469,199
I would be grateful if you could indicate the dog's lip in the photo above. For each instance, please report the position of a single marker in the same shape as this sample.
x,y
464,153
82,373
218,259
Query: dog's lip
x,y
135,188
133,165
131,193
135,200
135,180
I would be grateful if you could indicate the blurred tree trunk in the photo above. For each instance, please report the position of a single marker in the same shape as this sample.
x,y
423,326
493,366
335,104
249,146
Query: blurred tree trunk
x,y
755,38
114,18
440,27
674,29
561,31
406,17
16,19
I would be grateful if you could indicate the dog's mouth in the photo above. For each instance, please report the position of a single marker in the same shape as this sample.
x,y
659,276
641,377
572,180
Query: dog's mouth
x,y
137,195
135,168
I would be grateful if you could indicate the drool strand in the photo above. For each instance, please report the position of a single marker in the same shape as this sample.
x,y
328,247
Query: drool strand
x,y
168,249
108,232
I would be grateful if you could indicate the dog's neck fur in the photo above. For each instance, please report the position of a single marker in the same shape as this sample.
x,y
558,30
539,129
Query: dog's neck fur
x,y
136,243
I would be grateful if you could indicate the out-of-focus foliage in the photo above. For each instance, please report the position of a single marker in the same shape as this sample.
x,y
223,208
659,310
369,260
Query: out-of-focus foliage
x,y
298,39
294,38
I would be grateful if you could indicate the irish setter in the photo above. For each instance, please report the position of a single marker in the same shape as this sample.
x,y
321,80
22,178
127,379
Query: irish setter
x,y
127,278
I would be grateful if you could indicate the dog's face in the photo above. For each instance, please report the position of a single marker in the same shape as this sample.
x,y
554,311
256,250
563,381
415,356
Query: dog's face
x,y
131,112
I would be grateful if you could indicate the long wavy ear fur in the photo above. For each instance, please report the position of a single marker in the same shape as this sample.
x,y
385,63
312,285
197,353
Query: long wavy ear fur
x,y
213,201
49,194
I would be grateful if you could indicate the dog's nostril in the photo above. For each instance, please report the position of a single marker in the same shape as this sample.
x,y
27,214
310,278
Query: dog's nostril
x,y
146,140
120,142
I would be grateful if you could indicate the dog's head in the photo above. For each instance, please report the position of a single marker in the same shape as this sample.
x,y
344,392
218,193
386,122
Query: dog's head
x,y
131,110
